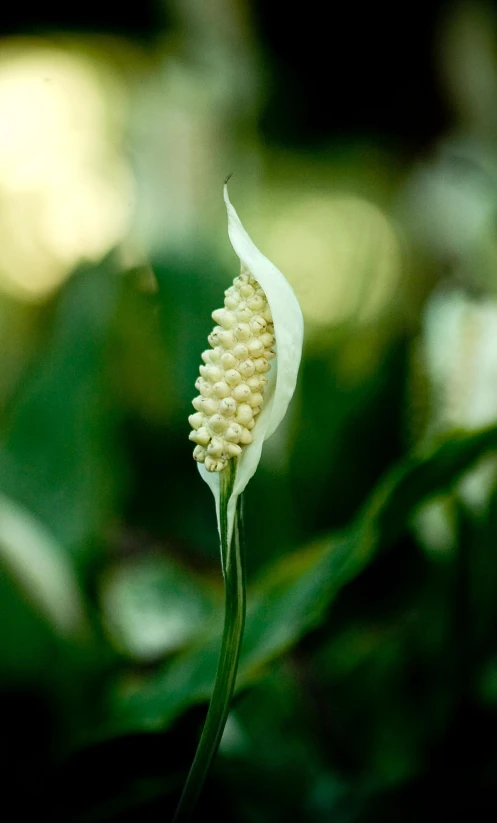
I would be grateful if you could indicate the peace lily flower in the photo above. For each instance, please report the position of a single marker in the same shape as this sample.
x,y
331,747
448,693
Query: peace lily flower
x,y
244,392
246,382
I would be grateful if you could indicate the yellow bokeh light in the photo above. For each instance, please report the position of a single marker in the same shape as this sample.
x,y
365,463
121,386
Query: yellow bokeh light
x,y
65,188
341,254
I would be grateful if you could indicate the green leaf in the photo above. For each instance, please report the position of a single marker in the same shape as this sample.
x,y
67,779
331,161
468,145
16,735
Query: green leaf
x,y
152,607
57,454
41,568
422,476
292,596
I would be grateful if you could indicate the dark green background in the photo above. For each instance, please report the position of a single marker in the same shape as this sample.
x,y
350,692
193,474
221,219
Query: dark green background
x,y
368,681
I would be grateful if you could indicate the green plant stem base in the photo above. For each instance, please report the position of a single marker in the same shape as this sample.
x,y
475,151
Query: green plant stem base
x,y
234,620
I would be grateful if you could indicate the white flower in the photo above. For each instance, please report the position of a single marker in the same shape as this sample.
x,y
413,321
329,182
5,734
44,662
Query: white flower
x,y
257,409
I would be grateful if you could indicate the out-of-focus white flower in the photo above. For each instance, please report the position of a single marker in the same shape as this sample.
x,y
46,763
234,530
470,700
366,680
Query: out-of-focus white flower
x,y
460,351
244,397
459,347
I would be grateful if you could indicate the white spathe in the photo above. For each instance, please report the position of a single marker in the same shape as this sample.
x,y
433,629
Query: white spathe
x,y
282,377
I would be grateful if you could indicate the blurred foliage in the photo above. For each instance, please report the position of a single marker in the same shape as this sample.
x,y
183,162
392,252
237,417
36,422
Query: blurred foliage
x,y
368,681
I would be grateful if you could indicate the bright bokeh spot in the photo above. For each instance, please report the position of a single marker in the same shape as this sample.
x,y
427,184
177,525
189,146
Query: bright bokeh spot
x,y
341,254
65,188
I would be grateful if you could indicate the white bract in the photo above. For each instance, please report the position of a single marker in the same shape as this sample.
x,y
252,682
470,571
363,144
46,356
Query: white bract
x,y
235,416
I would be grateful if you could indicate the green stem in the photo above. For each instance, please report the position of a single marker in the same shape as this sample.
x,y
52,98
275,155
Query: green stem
x,y
234,620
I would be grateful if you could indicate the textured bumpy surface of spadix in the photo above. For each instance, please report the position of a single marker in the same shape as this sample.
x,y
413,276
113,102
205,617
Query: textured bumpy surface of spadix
x,y
233,377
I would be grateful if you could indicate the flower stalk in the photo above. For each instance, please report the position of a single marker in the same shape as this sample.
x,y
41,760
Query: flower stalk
x,y
234,620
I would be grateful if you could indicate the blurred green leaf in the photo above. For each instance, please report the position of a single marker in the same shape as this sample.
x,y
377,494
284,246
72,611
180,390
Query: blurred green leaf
x,y
151,606
292,596
57,452
41,567
420,477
